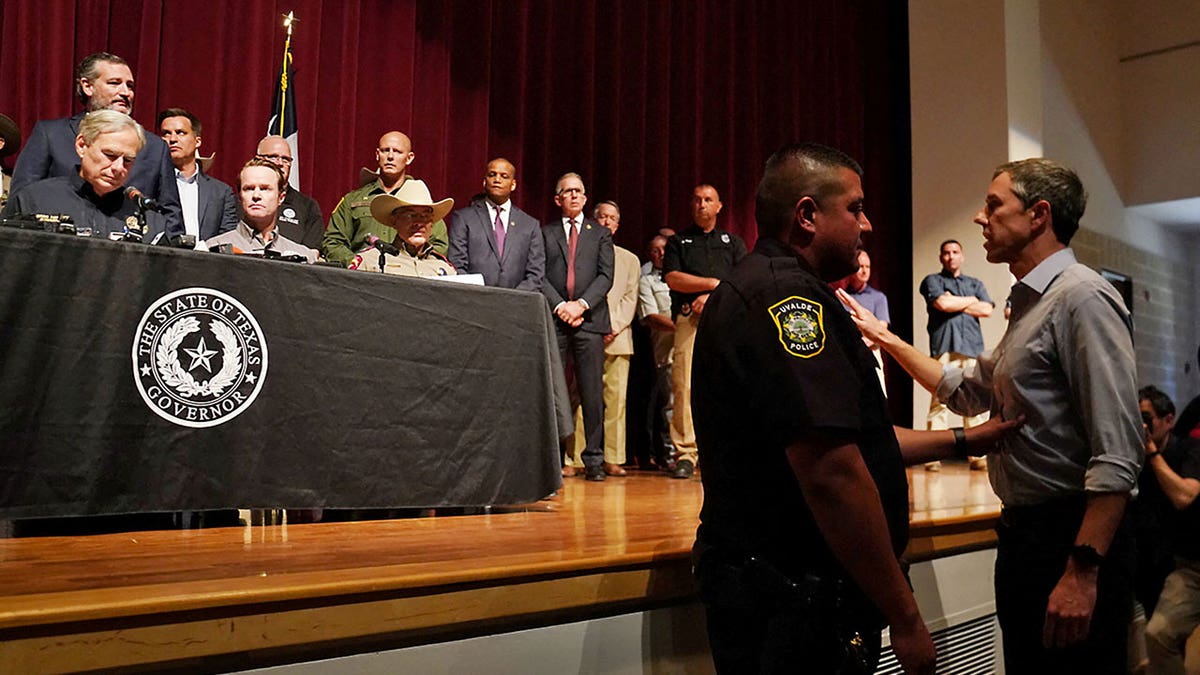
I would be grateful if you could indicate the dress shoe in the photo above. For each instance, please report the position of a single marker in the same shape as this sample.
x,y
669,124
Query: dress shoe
x,y
614,469
978,463
683,469
595,473
933,466
569,471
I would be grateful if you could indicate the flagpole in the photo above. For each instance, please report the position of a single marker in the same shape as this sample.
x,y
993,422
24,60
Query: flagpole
x,y
283,73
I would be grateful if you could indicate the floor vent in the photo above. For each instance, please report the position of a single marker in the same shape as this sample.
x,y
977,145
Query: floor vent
x,y
968,648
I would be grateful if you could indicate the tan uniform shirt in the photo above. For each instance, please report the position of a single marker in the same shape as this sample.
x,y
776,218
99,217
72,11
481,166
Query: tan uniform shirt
x,y
427,263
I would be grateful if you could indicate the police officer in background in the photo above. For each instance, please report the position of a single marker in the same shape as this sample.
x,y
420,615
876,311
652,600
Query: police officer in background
x,y
805,496
695,261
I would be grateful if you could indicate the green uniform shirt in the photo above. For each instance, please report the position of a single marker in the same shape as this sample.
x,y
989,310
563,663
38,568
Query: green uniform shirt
x,y
351,225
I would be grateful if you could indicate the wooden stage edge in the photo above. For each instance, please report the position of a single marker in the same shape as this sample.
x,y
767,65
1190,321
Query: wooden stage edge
x,y
244,597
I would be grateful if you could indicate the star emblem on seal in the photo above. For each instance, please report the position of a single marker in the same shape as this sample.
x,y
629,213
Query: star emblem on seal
x,y
199,357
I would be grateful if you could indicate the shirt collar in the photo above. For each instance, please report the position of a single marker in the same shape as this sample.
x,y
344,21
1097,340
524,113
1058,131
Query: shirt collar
x,y
185,179
1039,277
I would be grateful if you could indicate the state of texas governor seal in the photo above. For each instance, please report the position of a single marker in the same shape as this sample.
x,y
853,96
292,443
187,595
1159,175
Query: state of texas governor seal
x,y
199,357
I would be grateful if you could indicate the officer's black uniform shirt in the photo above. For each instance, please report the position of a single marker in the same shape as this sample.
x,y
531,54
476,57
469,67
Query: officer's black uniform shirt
x,y
73,196
710,254
777,360
300,219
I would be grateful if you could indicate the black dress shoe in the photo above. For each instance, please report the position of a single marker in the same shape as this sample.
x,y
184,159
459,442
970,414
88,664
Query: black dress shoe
x,y
594,473
683,469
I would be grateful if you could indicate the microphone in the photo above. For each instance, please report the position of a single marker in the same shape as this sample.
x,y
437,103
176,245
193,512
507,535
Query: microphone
x,y
382,246
143,202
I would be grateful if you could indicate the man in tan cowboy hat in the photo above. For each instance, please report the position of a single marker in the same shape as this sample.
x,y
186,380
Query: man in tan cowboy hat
x,y
10,141
410,213
352,224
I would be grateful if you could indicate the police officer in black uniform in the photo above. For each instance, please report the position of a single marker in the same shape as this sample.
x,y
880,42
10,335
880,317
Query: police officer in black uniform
x,y
805,497
694,263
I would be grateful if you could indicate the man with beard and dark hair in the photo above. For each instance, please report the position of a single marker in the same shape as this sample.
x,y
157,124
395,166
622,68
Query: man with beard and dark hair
x,y
103,81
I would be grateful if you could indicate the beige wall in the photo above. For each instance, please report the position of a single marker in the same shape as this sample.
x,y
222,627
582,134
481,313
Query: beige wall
x,y
1005,79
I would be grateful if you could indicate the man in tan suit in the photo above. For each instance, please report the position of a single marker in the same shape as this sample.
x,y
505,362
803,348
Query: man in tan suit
x,y
618,346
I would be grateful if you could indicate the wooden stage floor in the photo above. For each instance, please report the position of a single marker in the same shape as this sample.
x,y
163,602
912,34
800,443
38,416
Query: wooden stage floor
x,y
271,594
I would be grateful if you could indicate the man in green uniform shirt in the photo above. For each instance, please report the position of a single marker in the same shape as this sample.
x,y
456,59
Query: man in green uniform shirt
x,y
351,224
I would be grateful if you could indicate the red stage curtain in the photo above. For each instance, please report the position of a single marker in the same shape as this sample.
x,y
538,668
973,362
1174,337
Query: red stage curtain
x,y
644,98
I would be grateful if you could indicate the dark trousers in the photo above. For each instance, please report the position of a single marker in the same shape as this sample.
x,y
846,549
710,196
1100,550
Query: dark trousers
x,y
583,353
1033,546
658,417
761,622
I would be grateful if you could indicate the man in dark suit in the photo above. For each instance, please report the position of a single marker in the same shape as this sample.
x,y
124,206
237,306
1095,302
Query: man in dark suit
x,y
494,238
208,205
102,81
579,273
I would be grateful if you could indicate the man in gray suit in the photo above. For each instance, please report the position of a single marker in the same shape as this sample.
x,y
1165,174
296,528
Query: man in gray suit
x,y
208,205
579,273
494,238
102,81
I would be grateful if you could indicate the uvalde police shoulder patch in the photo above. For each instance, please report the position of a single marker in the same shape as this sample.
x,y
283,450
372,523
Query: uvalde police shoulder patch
x,y
199,357
801,325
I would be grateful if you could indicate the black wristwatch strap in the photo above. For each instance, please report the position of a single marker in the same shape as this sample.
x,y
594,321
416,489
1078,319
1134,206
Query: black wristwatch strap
x,y
1085,556
960,442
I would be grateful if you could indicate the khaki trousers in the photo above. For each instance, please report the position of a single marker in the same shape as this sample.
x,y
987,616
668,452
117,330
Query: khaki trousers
x,y
941,417
616,384
683,433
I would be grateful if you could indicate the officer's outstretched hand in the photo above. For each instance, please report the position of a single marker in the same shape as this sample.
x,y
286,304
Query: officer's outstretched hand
x,y
913,647
982,439
872,328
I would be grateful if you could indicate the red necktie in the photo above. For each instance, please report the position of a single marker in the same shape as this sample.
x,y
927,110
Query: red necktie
x,y
572,242
499,233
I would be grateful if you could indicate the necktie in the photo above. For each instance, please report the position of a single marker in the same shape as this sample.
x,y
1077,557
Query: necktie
x,y
572,242
499,233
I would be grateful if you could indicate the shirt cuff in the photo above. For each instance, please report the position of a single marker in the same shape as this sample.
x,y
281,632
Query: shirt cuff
x,y
952,377
584,303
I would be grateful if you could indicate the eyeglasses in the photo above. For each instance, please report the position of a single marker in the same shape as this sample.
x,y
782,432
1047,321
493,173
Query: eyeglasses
x,y
278,159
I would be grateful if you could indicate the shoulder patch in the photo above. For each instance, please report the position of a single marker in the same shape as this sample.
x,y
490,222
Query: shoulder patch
x,y
801,324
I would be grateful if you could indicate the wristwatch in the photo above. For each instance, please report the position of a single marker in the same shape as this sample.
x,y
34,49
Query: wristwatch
x,y
1086,556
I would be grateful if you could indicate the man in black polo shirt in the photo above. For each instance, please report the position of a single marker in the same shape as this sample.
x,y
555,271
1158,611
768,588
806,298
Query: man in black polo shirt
x,y
695,261
805,497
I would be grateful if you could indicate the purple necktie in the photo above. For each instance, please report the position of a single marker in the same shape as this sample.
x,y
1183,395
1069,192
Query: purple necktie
x,y
499,233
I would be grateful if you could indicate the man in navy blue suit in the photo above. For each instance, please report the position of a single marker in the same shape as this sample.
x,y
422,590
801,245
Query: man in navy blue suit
x,y
579,273
102,81
494,238
208,205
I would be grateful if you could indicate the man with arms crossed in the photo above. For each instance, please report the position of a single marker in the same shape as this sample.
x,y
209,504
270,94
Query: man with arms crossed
x,y
956,303
1064,561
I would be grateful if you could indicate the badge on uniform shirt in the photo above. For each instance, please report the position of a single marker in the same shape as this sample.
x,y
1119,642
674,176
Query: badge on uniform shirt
x,y
724,239
801,326
289,212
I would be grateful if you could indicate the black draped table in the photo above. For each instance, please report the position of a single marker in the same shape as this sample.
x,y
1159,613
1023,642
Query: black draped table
x,y
139,379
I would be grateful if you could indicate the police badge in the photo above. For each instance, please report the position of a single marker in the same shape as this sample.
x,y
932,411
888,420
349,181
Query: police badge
x,y
801,326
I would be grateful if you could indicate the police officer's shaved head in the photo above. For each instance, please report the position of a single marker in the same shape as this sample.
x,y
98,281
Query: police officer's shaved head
x,y
795,171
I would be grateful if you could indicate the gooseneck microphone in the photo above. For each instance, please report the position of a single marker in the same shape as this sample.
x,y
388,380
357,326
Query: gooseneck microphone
x,y
143,202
